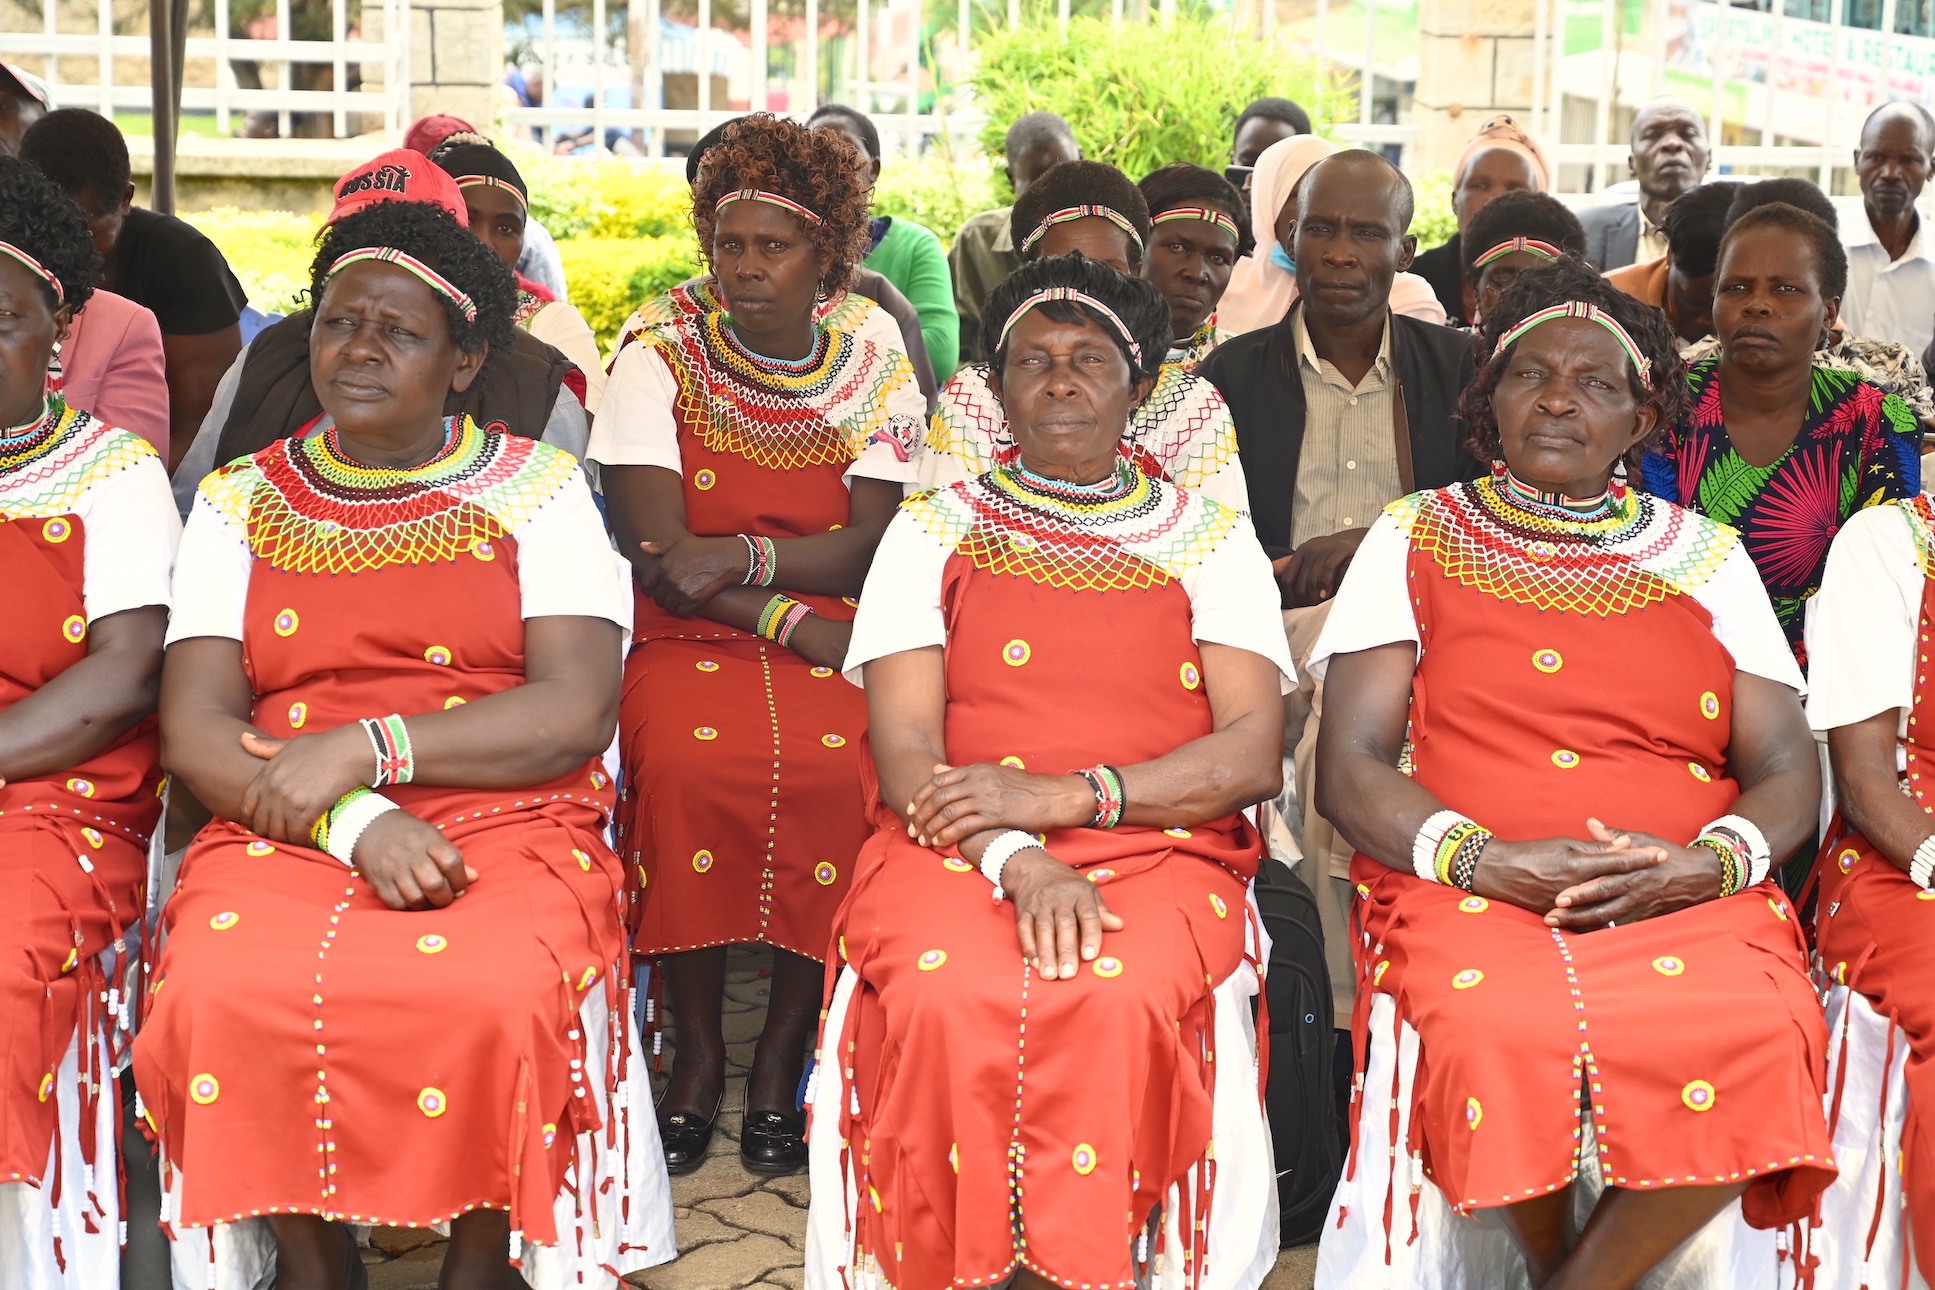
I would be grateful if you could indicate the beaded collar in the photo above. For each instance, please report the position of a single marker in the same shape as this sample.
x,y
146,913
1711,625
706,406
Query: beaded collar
x,y
528,305
842,312
1130,532
1629,552
1193,351
783,416
48,463
1558,505
308,507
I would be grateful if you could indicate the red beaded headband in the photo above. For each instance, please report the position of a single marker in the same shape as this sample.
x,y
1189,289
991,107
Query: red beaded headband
x,y
404,260
13,252
1070,213
1047,294
1591,313
1531,246
492,181
771,199
1203,213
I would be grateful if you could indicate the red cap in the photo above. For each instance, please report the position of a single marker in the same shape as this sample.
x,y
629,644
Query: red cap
x,y
426,132
398,176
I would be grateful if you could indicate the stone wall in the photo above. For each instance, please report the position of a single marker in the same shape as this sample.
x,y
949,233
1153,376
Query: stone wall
x,y
456,58
1474,59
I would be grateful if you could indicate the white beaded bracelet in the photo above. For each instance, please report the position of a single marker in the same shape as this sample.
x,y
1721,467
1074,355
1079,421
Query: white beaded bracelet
x,y
995,856
1424,848
1922,868
349,826
1760,855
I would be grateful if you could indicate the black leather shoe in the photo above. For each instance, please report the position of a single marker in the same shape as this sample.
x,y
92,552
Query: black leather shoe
x,y
686,1138
772,1143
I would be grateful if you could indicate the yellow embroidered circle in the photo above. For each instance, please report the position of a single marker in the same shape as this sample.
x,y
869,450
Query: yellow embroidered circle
x,y
74,629
1016,652
298,713
1083,1159
1467,979
1698,1096
439,655
1106,966
1548,660
931,960
431,943
825,874
1192,676
702,860
204,1089
1565,759
286,622
432,1103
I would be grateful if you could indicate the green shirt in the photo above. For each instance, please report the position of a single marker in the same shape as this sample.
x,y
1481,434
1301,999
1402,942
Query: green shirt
x,y
983,255
910,257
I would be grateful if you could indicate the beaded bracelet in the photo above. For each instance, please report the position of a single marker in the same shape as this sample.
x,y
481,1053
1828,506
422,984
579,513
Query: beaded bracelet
x,y
1922,868
783,634
1752,844
773,615
395,758
342,825
1424,847
995,856
1457,853
762,561
1734,864
1110,799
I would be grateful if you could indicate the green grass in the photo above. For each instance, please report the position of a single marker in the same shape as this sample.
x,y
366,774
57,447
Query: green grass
x,y
142,124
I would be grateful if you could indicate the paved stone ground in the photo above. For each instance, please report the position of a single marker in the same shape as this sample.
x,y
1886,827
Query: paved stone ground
x,y
736,1230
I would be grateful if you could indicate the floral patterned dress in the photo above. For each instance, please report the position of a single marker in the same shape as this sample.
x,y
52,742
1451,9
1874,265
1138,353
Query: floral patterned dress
x,y
1860,446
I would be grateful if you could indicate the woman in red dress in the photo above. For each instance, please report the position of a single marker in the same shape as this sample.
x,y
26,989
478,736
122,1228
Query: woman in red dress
x,y
1564,891
1867,634
1073,675
750,461
405,1006
86,536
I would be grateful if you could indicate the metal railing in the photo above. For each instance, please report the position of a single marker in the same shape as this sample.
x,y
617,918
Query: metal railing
x,y
297,80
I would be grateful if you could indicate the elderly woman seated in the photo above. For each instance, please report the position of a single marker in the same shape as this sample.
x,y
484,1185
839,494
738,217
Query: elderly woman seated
x,y
1073,674
1568,943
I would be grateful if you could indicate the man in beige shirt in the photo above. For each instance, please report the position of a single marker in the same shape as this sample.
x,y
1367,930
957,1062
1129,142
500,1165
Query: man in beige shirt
x,y
1340,409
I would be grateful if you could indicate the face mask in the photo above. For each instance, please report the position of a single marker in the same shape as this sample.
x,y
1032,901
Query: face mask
x,y
1281,258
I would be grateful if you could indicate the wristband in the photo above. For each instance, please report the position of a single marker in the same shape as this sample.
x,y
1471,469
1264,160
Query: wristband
x,y
995,856
339,829
799,613
1922,868
395,758
1424,847
762,560
1753,845
1454,861
1734,864
774,615
1110,799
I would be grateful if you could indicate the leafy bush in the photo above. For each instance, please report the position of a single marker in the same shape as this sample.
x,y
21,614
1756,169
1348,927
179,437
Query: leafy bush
x,y
1433,223
610,277
1142,95
606,197
936,191
269,251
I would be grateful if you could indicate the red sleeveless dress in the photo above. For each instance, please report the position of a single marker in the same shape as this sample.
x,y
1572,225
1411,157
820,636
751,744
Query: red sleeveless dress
x,y
1001,1120
75,840
308,1049
742,808
1567,670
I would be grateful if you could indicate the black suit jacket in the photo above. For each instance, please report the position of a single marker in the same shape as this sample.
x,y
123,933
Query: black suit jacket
x,y
1612,235
1443,267
1257,374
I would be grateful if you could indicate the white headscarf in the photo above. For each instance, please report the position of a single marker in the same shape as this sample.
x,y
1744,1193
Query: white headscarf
x,y
1261,293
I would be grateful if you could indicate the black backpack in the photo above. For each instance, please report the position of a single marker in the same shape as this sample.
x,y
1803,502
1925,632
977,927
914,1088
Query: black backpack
x,y
1300,1098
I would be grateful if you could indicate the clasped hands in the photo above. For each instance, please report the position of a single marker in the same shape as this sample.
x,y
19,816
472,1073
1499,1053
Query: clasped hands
x,y
689,571
1620,876
1059,915
407,863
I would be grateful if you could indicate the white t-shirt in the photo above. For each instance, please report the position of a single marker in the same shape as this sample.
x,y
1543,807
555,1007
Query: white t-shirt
x,y
566,566
1232,595
1373,607
639,426
1862,623
116,484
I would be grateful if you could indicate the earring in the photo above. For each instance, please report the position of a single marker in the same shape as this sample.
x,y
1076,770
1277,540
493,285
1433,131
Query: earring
x,y
56,381
822,297
1498,469
1619,479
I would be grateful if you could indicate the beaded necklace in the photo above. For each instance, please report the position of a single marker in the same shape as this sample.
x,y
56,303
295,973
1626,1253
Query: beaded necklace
x,y
822,410
22,443
1623,554
309,507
